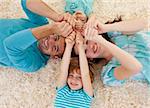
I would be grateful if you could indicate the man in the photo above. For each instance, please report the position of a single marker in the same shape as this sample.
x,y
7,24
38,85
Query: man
x,y
26,44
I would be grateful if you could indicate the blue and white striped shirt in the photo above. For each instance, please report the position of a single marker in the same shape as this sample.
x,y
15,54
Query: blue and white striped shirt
x,y
67,98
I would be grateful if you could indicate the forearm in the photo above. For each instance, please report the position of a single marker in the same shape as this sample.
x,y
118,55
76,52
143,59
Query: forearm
x,y
41,8
127,60
64,67
42,31
86,80
128,27
83,62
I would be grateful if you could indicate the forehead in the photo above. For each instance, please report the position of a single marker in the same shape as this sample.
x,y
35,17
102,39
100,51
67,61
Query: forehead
x,y
75,71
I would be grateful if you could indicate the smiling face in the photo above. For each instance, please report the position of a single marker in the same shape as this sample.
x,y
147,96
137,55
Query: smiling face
x,y
92,50
81,20
74,79
52,45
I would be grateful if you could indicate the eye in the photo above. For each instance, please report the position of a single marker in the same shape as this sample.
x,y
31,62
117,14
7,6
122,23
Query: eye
x,y
70,76
78,78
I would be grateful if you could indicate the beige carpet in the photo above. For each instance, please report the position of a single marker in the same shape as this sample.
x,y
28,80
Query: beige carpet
x,y
19,90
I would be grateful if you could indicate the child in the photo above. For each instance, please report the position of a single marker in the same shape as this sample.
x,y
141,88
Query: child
x,y
74,88
80,9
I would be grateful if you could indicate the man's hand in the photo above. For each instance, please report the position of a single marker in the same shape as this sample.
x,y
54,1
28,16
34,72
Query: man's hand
x,y
62,28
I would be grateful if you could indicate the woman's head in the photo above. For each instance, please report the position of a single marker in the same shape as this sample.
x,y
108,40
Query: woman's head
x,y
94,49
74,79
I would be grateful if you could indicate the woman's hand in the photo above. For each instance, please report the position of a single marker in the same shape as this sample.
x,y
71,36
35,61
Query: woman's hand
x,y
93,23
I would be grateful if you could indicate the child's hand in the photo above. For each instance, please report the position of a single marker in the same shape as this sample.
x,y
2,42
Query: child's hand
x,y
62,28
79,40
70,40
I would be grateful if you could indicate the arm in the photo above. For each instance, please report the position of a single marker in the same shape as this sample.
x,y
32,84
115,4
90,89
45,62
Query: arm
x,y
129,64
41,8
62,79
84,68
60,28
127,27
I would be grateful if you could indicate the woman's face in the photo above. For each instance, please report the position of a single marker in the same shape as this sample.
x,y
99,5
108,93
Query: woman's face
x,y
92,49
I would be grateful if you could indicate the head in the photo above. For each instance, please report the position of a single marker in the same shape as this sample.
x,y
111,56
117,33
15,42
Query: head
x,y
94,49
52,45
74,79
81,19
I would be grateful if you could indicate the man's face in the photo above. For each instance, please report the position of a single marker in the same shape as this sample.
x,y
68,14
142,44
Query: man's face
x,y
52,45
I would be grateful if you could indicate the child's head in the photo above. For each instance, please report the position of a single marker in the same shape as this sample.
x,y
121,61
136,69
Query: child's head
x,y
74,79
81,19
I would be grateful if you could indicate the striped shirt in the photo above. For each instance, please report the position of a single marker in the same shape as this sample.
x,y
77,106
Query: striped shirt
x,y
67,98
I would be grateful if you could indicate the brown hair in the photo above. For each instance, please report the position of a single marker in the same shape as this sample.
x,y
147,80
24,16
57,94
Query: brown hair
x,y
74,64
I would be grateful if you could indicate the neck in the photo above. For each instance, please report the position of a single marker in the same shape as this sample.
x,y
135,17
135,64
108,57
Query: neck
x,y
108,56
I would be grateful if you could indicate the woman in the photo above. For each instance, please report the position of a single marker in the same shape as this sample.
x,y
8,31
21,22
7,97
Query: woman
x,y
127,56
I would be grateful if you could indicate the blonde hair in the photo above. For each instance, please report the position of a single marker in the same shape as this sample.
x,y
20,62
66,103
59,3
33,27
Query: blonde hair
x,y
74,64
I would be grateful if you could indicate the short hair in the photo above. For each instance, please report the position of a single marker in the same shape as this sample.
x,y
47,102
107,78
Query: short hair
x,y
74,64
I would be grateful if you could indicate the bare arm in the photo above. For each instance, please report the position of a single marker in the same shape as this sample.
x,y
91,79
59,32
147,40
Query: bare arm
x,y
129,64
41,8
127,27
86,80
62,79
60,28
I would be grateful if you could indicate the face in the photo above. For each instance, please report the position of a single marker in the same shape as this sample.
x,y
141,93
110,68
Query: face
x,y
81,20
92,50
52,45
74,80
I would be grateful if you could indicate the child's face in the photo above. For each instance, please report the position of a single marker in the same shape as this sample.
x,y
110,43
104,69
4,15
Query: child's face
x,y
74,80
81,20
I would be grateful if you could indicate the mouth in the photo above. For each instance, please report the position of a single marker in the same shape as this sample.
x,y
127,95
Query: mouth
x,y
72,84
45,43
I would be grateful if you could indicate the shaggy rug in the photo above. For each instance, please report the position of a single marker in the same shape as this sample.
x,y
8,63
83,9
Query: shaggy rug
x,y
20,90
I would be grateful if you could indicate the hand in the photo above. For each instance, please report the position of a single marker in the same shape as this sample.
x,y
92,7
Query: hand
x,y
79,40
62,28
69,19
70,40
94,23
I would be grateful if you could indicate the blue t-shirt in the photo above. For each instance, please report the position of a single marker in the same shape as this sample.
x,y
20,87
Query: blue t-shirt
x,y
18,46
67,98
79,5
137,45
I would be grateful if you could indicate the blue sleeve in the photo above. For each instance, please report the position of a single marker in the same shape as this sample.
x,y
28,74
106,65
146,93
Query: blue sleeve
x,y
21,53
33,17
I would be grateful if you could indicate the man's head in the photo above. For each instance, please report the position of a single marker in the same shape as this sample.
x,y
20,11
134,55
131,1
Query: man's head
x,y
52,45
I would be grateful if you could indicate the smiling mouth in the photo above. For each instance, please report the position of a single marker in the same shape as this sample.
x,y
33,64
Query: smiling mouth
x,y
73,84
45,43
